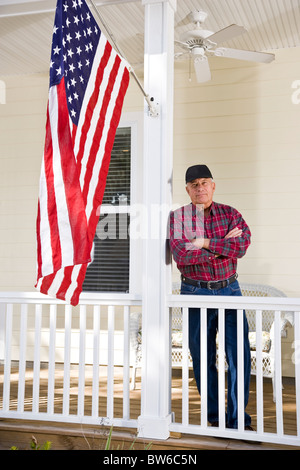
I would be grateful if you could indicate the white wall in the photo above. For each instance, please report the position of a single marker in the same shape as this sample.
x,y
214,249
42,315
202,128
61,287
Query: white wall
x,y
22,133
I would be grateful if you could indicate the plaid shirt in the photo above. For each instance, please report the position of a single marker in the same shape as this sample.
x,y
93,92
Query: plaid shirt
x,y
188,223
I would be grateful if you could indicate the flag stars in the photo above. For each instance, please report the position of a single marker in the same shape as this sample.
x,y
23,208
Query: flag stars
x,y
75,40
56,50
88,47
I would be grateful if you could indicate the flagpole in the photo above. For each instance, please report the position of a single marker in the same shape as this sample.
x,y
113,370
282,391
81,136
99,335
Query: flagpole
x,y
150,100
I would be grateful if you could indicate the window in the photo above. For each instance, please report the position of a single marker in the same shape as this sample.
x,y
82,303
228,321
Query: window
x,y
110,268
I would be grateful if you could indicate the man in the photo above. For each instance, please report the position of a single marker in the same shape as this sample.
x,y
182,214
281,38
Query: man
x,y
206,239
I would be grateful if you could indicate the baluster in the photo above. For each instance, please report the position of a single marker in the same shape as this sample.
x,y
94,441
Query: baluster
x,y
81,365
185,367
67,354
278,379
110,363
37,359
221,352
51,367
2,330
22,357
126,371
297,367
7,360
96,345
240,370
259,374
203,367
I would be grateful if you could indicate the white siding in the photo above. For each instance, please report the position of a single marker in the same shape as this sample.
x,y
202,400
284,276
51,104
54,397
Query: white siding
x,y
22,134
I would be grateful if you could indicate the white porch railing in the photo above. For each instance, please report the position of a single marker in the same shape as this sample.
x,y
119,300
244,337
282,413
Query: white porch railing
x,y
279,306
40,330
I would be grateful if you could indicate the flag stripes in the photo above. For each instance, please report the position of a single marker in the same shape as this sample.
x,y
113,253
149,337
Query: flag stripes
x,y
75,165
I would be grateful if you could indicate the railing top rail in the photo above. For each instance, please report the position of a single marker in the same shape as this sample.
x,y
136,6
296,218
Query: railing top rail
x,y
257,303
85,298
251,303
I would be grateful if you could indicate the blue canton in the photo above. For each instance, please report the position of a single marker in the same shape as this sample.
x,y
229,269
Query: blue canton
x,y
75,40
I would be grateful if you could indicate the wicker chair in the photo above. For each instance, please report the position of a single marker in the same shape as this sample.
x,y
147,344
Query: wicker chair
x,y
249,290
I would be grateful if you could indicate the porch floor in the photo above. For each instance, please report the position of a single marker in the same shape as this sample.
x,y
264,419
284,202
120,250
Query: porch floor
x,y
83,437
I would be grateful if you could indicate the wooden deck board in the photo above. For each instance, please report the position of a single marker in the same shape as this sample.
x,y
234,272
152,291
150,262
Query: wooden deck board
x,y
72,436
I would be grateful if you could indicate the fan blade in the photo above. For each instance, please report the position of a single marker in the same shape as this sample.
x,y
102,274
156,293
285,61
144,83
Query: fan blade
x,y
181,44
202,69
245,55
227,33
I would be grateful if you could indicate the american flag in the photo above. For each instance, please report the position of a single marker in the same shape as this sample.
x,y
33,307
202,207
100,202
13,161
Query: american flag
x,y
88,82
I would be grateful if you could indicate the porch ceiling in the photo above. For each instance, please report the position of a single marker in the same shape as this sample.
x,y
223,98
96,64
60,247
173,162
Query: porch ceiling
x,y
26,27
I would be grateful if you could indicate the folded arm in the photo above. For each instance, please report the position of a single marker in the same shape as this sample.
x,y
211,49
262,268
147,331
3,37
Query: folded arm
x,y
233,245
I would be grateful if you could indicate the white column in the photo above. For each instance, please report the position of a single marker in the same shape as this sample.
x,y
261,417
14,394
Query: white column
x,y
157,181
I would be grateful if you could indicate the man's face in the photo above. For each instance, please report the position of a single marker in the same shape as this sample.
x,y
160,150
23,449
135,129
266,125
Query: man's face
x,y
201,191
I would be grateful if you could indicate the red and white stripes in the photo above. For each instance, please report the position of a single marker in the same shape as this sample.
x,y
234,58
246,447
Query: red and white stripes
x,y
73,176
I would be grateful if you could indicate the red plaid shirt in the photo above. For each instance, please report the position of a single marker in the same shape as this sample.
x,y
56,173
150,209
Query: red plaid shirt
x,y
202,264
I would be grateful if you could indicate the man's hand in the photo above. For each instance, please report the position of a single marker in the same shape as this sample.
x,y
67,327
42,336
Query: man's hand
x,y
234,233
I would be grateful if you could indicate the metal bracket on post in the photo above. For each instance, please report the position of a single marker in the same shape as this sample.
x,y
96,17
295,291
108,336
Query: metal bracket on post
x,y
153,112
153,108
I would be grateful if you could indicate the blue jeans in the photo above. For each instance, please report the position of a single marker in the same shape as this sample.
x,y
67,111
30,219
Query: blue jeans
x,y
230,350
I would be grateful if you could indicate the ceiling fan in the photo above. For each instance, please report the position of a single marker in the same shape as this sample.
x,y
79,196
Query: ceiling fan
x,y
200,44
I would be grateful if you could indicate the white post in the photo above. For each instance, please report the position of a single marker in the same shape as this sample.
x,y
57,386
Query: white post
x,y
157,181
